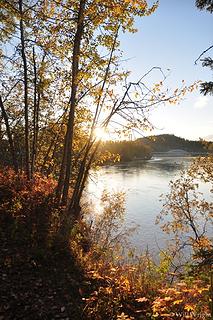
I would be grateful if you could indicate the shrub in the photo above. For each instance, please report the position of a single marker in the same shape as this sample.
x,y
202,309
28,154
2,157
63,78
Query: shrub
x,y
28,207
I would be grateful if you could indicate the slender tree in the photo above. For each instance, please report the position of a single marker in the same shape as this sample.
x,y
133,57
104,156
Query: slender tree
x,y
64,179
26,98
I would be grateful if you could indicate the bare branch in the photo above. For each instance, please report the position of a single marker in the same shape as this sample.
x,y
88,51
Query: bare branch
x,y
203,53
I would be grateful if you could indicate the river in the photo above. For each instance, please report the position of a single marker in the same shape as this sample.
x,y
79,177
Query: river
x,y
143,183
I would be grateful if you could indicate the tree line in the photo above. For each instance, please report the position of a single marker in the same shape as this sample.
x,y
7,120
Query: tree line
x,y
125,150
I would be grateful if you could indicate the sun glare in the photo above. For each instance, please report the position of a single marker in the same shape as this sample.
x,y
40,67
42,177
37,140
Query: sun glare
x,y
101,134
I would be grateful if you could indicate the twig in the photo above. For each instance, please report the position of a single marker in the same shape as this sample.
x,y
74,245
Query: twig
x,y
203,53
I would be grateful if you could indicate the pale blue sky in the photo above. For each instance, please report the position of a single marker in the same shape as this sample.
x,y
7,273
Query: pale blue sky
x,y
173,38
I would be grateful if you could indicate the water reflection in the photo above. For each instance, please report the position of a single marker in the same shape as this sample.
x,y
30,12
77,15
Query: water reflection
x,y
143,182
157,165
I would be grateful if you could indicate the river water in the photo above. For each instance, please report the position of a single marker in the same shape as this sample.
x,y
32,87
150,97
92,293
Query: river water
x,y
143,183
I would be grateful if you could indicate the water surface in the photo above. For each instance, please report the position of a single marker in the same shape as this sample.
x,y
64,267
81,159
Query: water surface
x,y
143,182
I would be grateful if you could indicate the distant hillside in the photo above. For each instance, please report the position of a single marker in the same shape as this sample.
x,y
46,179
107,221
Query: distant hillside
x,y
166,142
144,148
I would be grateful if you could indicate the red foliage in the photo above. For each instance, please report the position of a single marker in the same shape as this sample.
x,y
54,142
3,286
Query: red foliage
x,y
28,205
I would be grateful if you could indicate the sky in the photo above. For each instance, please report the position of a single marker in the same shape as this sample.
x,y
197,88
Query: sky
x,y
173,38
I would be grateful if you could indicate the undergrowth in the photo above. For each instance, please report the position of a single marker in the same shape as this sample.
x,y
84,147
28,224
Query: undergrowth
x,y
128,285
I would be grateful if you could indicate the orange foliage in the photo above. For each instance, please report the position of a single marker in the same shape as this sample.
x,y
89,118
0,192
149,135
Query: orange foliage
x,y
184,300
28,205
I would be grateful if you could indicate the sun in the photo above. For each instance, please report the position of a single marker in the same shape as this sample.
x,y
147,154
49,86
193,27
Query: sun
x,y
101,134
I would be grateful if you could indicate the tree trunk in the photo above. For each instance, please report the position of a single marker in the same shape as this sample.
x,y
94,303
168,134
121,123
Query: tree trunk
x,y
85,165
65,172
26,106
74,206
9,135
35,117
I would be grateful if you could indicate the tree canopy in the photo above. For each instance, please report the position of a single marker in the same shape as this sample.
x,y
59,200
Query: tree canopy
x,y
205,5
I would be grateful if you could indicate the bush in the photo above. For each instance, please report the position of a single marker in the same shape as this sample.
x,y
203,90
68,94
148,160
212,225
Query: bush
x,y
28,209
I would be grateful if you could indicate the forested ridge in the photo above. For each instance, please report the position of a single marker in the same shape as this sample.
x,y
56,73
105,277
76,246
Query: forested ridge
x,y
166,142
144,148
61,82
